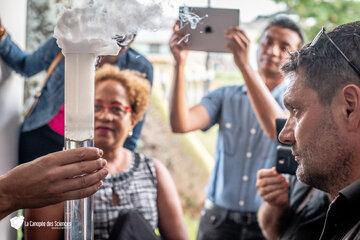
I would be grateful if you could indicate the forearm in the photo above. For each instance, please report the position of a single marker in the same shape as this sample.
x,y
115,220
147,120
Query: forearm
x,y
269,218
4,207
266,108
179,111
13,55
174,228
24,63
5,202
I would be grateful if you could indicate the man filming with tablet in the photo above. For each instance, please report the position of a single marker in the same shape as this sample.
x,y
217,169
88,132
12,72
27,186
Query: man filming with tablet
x,y
246,117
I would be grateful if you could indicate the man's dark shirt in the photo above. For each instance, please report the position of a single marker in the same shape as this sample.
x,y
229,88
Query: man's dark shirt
x,y
306,215
343,217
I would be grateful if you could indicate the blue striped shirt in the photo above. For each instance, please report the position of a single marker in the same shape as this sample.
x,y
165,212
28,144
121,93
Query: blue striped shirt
x,y
242,147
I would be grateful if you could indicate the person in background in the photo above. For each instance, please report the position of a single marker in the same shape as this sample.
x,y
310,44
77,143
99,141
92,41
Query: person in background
x,y
246,117
135,181
52,179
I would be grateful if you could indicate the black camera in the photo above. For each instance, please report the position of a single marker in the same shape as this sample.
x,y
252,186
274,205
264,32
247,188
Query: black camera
x,y
285,161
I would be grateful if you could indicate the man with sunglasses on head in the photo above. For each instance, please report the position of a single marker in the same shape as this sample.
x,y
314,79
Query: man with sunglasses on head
x,y
246,117
323,128
324,77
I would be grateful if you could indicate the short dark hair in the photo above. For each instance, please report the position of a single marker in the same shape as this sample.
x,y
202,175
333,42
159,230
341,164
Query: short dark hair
x,y
323,67
285,22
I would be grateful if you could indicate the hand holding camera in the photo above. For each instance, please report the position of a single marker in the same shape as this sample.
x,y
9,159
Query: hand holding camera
x,y
273,187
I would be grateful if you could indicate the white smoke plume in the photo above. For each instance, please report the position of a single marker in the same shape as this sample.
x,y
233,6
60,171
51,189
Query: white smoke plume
x,y
89,26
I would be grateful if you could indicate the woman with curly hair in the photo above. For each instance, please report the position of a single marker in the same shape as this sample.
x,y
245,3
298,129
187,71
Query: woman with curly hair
x,y
135,183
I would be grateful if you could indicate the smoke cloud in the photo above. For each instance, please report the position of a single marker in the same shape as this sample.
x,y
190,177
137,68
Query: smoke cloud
x,y
89,26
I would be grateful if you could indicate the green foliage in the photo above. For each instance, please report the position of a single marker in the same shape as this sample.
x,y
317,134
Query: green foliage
x,y
317,13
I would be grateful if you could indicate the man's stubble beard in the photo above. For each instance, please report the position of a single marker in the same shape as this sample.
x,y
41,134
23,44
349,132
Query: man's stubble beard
x,y
325,159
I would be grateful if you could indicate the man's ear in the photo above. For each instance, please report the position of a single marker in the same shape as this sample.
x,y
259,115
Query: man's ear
x,y
351,95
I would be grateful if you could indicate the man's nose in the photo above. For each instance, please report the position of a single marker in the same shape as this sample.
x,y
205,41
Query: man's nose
x,y
274,50
286,135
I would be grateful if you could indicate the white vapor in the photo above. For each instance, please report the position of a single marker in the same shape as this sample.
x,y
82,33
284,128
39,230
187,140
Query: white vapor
x,y
89,26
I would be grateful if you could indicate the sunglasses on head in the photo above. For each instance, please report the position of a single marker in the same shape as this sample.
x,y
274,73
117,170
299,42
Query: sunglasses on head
x,y
350,62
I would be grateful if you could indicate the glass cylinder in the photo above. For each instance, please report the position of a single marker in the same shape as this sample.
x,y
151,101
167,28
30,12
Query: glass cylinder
x,y
79,132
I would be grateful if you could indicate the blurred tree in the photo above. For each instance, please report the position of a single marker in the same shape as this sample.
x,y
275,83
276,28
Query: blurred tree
x,y
40,22
328,13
